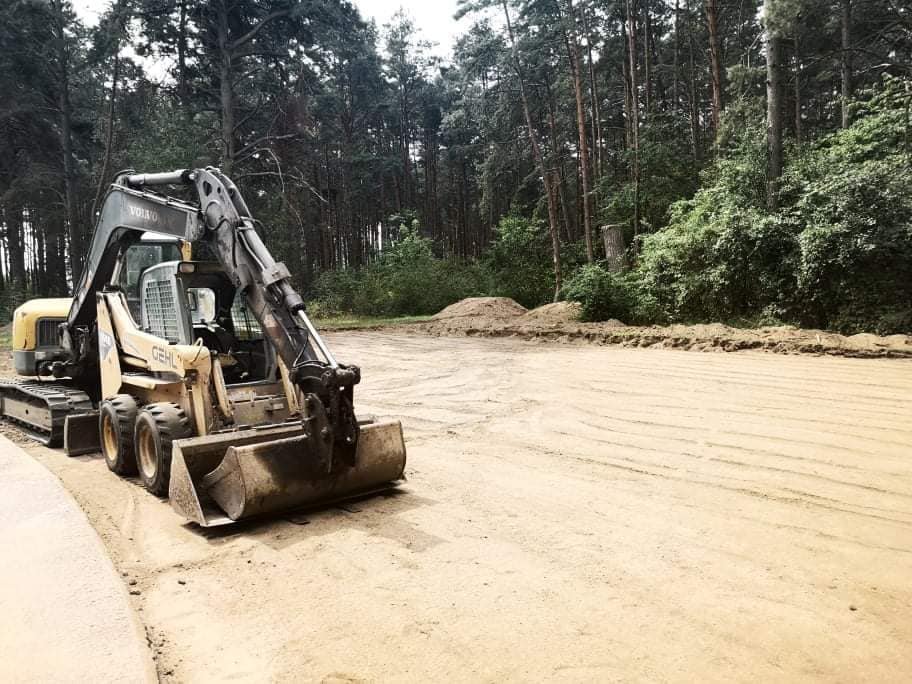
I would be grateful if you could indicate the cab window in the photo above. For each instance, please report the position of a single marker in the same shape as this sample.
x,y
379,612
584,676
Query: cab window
x,y
246,326
136,260
201,304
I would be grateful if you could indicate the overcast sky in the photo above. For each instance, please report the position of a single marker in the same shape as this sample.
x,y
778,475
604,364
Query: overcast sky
x,y
434,18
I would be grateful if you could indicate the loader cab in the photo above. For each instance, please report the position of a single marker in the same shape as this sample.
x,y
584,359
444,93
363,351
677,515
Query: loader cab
x,y
150,250
190,302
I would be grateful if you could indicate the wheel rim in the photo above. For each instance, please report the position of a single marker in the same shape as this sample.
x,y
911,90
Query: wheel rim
x,y
108,438
146,451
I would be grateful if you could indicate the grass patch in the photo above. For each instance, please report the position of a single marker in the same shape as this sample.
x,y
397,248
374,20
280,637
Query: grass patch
x,y
354,322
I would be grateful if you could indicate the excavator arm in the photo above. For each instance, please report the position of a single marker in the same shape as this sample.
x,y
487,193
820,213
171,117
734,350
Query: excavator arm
x,y
223,221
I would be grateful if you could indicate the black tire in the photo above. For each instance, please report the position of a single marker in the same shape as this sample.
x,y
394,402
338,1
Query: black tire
x,y
116,420
157,426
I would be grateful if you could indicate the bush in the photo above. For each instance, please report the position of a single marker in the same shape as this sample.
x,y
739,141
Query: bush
x,y
407,280
851,191
717,260
837,255
603,295
599,294
519,261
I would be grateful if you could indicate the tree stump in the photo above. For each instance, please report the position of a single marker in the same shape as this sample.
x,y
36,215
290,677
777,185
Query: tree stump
x,y
613,237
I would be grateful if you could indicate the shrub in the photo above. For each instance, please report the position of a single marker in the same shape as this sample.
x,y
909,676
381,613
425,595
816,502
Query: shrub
x,y
837,255
407,280
717,260
603,295
598,294
519,261
851,191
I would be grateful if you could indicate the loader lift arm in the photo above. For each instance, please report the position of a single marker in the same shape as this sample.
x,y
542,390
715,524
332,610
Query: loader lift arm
x,y
223,221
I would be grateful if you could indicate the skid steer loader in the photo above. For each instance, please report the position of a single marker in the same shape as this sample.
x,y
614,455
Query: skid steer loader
x,y
204,377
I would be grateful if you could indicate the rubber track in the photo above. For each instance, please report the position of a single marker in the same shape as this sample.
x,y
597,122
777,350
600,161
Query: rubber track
x,y
59,399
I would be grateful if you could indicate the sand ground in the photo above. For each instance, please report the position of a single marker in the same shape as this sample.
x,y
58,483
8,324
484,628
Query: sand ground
x,y
572,513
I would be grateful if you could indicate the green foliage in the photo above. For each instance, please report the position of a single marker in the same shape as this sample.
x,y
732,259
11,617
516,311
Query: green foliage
x,y
851,192
603,295
837,255
519,261
717,260
407,280
721,256
599,294
168,138
668,174
740,167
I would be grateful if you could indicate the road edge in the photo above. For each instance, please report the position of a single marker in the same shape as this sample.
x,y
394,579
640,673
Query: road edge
x,y
65,607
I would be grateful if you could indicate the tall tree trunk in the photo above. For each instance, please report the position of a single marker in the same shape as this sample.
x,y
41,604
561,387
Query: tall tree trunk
x,y
798,126
537,153
635,114
676,101
226,93
648,66
55,260
628,95
715,58
404,145
576,72
692,87
846,61
182,89
69,169
109,135
597,139
569,230
15,249
647,58
773,118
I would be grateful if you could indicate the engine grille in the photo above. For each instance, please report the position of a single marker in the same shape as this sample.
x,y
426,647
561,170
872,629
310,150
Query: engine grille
x,y
49,332
160,310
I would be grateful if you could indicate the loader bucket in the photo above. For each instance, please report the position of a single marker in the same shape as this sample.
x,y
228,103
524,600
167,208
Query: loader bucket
x,y
225,477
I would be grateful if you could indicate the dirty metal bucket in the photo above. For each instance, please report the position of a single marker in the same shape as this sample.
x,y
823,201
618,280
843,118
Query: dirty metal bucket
x,y
224,477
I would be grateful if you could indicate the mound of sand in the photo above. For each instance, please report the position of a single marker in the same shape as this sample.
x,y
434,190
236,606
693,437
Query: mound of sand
x,y
482,307
554,314
553,322
503,317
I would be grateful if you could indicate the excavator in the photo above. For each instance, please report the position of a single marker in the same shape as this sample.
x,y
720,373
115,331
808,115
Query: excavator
x,y
206,378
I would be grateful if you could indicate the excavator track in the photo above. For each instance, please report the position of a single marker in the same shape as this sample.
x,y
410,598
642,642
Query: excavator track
x,y
40,408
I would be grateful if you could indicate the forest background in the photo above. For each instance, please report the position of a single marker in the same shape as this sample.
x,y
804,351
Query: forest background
x,y
751,159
